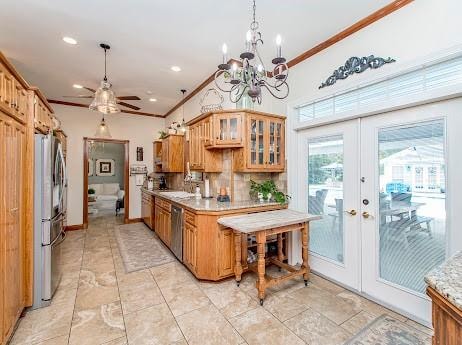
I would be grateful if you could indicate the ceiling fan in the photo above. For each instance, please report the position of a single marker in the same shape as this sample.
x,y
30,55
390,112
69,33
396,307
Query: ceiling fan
x,y
119,98
104,98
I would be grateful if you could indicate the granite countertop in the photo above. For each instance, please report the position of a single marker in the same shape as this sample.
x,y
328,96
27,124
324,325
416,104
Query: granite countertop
x,y
212,204
446,279
248,223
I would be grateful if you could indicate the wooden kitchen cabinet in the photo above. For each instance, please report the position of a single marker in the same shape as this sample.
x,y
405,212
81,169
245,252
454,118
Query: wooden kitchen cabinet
x,y
163,220
226,130
14,96
257,140
190,246
208,248
157,159
43,113
264,148
16,197
227,250
201,159
173,153
446,320
12,234
147,207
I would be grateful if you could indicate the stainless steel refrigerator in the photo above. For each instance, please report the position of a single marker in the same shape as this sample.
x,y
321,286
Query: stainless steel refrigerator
x,y
49,211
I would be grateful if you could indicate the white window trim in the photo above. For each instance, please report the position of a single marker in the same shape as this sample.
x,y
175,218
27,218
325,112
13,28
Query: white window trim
x,y
389,105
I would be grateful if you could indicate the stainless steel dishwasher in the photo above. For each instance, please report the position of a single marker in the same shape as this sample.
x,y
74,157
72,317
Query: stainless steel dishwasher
x,y
177,232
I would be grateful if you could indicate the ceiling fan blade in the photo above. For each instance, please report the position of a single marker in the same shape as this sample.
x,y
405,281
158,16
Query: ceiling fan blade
x,y
79,96
129,106
89,89
129,98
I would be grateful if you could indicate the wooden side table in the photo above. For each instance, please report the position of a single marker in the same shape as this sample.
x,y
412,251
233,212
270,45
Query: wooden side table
x,y
266,224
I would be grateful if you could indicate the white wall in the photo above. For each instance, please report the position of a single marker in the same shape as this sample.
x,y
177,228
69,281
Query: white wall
x,y
414,31
192,107
79,123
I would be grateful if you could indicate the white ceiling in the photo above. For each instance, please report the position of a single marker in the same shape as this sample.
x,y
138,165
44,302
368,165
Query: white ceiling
x,y
148,37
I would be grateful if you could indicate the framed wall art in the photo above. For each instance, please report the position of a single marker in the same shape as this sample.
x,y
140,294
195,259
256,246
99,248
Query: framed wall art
x,y
105,167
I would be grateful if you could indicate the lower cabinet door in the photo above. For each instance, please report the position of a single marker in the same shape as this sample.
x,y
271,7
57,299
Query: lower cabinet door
x,y
227,252
157,220
190,246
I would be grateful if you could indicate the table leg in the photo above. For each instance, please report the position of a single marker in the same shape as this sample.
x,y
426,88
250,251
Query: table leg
x,y
261,242
280,252
238,264
305,264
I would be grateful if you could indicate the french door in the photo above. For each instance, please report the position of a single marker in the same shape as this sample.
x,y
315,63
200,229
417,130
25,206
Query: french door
x,y
333,193
399,171
410,166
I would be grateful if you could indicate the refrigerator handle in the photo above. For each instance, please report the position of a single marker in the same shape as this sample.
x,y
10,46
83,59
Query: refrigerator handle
x,y
64,177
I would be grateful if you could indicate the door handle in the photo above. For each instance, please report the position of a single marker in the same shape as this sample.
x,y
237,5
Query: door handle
x,y
366,215
351,212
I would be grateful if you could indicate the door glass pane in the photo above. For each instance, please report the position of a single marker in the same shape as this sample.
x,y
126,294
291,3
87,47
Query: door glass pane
x,y
271,142
223,128
233,128
411,202
278,143
325,196
253,141
260,142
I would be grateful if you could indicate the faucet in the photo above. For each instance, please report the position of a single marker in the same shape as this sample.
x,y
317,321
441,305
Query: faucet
x,y
188,179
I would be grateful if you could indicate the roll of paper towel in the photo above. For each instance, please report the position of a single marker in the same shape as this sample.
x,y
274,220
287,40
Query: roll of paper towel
x,y
139,179
207,188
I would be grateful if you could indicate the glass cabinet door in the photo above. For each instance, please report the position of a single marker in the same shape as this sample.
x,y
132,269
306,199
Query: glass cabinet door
x,y
257,143
228,129
275,145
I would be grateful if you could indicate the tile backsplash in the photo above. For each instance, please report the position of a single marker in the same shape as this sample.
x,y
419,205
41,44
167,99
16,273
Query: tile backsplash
x,y
238,183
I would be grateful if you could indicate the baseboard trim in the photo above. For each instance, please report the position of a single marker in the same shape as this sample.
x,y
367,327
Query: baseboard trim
x,y
74,227
133,220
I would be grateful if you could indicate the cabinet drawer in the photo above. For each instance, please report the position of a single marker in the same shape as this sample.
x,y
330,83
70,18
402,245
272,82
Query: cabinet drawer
x,y
163,204
166,205
190,217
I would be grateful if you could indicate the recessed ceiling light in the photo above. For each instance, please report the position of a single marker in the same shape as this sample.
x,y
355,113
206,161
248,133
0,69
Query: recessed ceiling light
x,y
77,86
149,92
69,40
152,100
175,68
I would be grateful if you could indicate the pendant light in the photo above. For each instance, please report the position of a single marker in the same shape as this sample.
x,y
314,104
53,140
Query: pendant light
x,y
102,131
105,100
183,126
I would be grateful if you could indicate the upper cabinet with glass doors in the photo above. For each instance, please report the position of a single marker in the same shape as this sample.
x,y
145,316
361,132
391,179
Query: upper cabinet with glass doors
x,y
257,138
225,130
263,148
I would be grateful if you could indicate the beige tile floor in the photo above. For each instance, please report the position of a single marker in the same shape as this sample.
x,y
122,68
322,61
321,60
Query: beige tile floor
x,y
98,303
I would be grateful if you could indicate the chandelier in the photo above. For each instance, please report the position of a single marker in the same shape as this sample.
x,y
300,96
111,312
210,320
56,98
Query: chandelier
x,y
249,76
105,100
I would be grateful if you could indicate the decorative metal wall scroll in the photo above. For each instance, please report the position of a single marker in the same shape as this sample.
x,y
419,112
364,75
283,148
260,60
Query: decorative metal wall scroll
x,y
356,65
215,97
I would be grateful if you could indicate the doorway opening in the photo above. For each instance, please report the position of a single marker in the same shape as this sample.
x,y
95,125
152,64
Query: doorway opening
x,y
105,179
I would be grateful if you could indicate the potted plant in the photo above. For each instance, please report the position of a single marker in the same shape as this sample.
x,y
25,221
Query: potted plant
x,y
162,134
91,191
267,191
